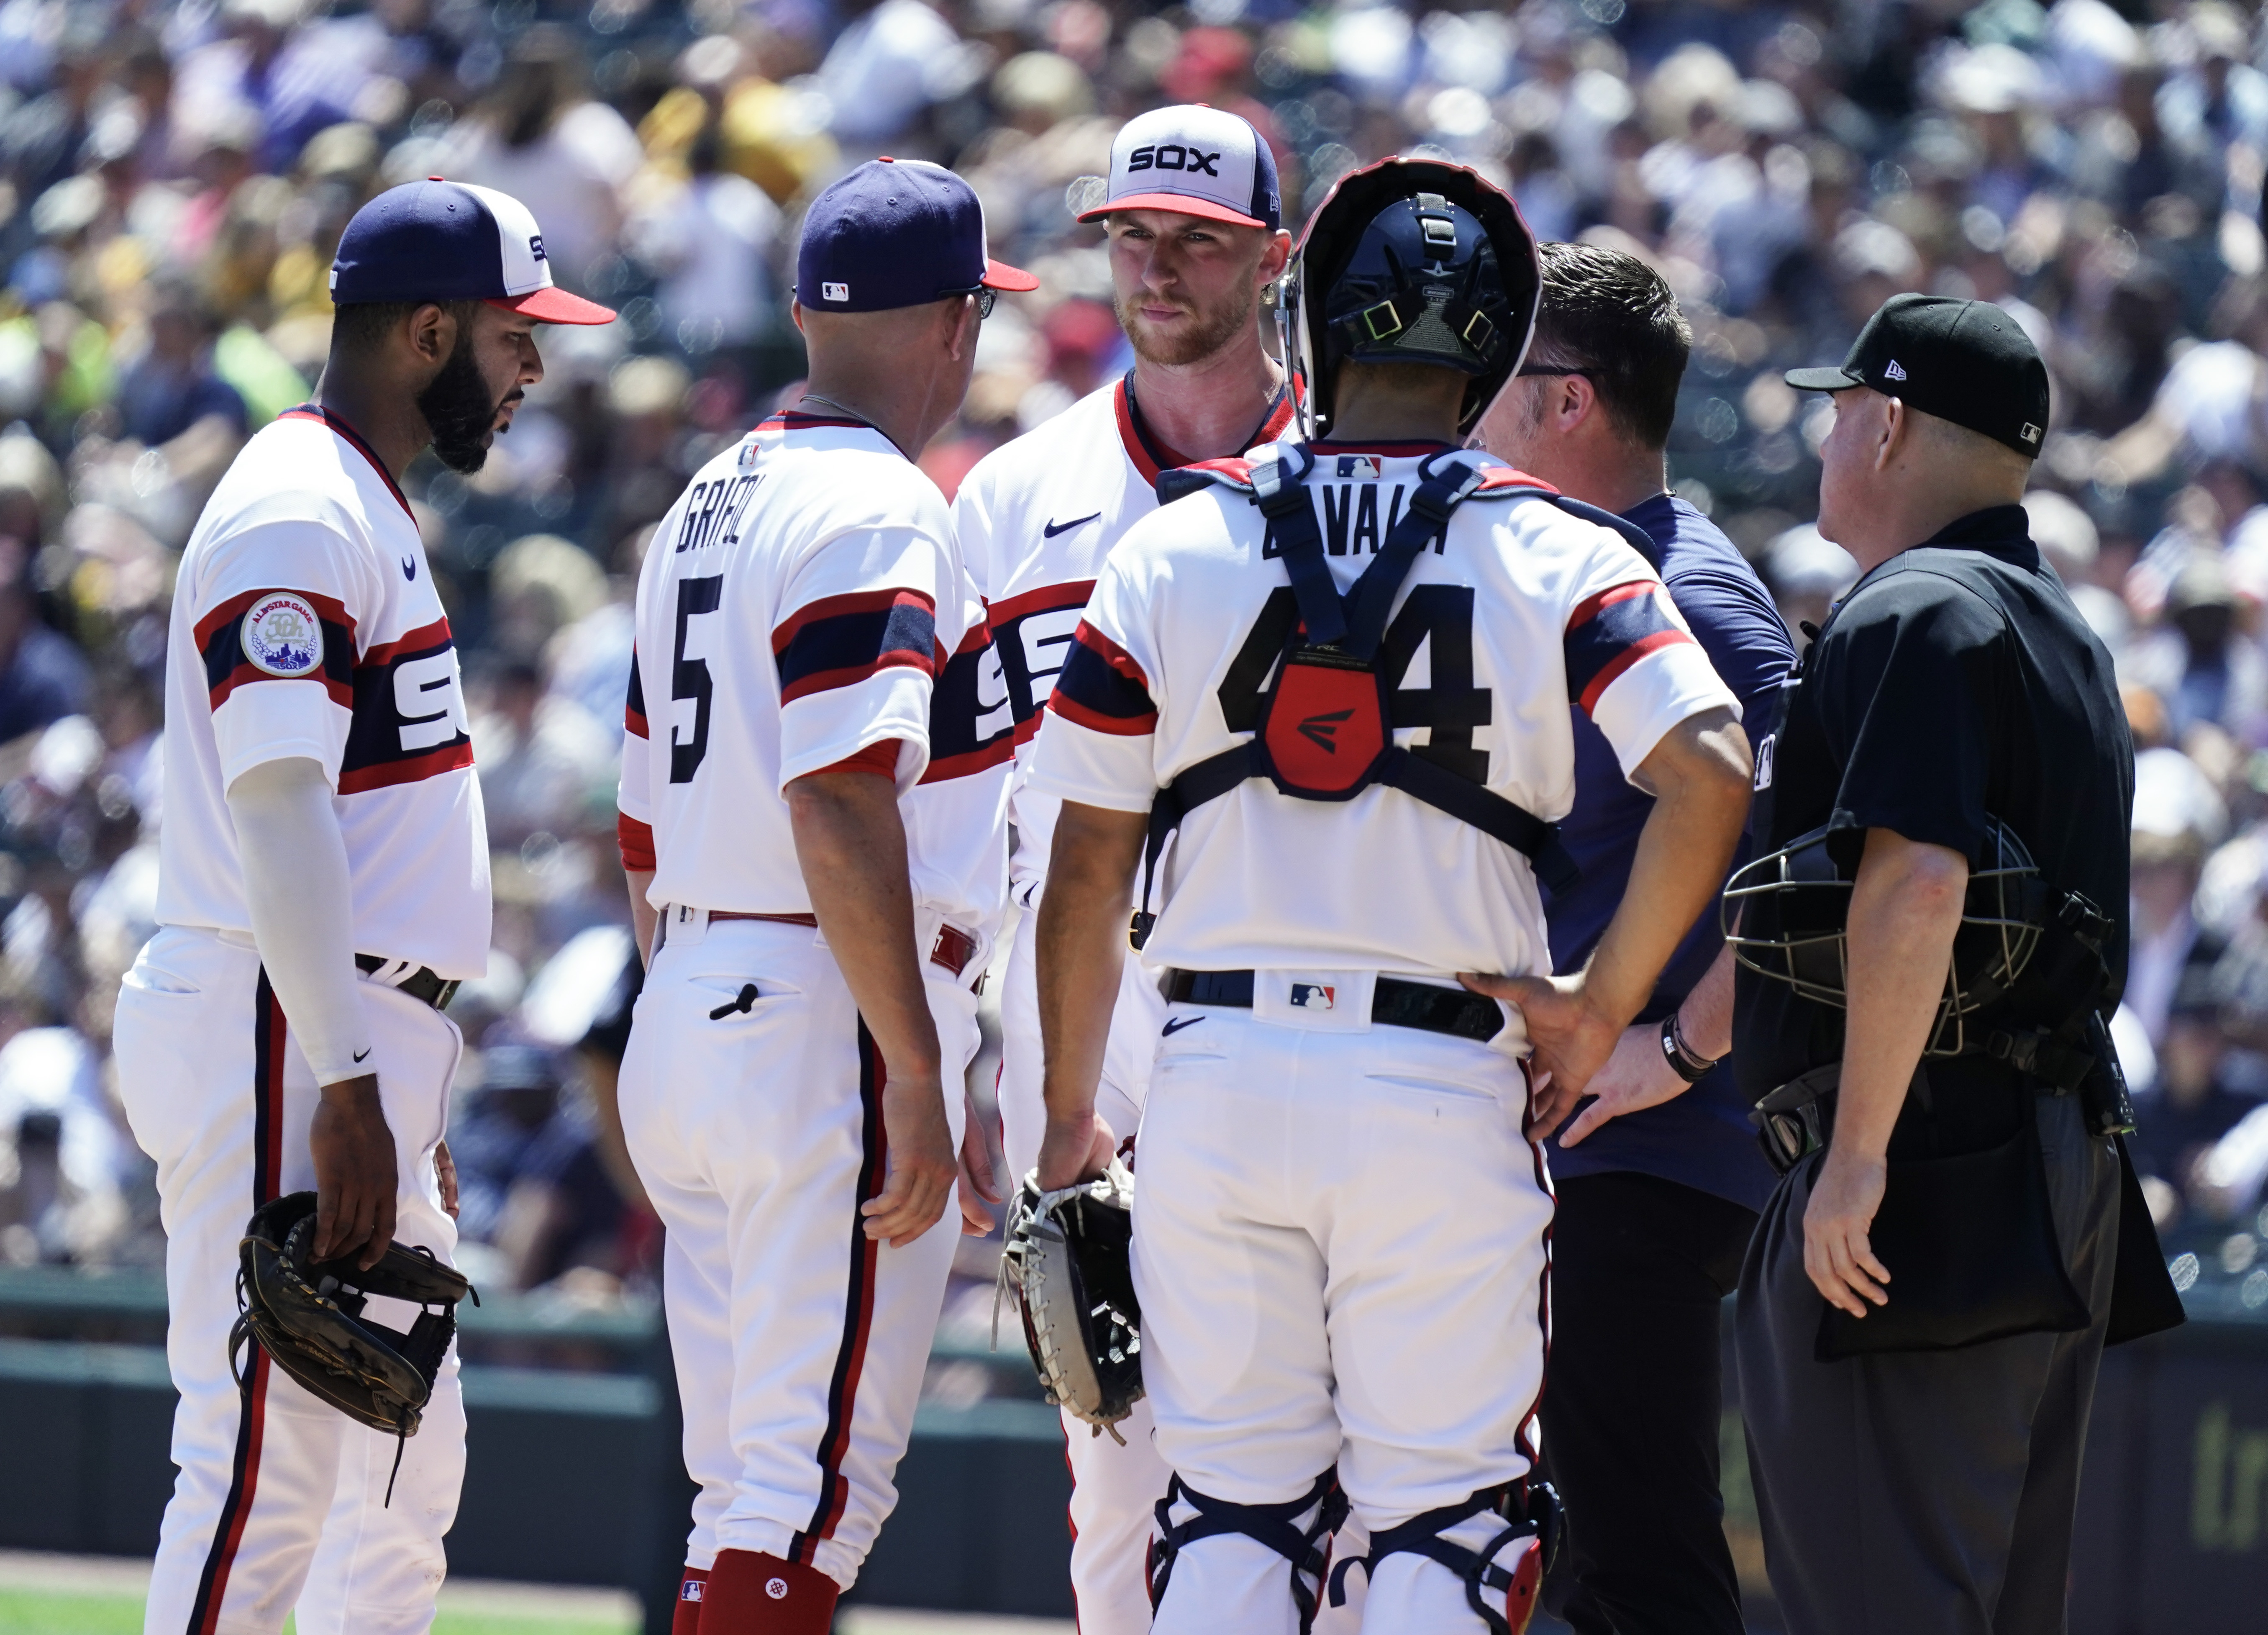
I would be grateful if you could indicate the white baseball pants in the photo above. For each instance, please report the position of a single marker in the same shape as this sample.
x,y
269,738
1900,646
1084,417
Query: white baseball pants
x,y
799,1342
1115,1490
1340,1245
280,1500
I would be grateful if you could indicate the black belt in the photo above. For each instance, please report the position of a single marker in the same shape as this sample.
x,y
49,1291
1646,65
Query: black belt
x,y
1395,1003
424,984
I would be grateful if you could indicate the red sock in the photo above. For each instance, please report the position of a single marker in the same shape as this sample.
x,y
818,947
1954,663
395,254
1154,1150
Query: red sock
x,y
686,1620
750,1592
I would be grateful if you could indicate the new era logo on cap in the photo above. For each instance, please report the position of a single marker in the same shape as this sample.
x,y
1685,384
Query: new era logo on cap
x,y
1195,160
1894,371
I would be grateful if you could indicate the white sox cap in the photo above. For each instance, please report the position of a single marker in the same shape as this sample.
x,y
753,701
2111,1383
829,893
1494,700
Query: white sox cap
x,y
1195,160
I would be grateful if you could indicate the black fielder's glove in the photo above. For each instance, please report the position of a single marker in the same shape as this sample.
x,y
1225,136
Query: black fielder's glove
x,y
308,1315
1069,1259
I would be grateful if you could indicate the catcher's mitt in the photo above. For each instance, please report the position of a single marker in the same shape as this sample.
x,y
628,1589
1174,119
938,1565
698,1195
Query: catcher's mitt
x,y
1068,1257
306,1315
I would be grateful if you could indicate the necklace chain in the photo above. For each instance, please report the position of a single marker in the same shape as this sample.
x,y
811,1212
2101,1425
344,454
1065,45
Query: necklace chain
x,y
821,397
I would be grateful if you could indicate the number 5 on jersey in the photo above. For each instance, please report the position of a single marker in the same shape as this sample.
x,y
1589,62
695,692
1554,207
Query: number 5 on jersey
x,y
690,678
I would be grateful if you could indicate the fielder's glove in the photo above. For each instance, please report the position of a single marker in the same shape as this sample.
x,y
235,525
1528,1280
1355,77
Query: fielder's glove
x,y
306,1315
1068,1257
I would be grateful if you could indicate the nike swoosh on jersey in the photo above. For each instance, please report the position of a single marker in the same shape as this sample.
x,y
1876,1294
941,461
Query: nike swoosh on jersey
x,y
409,569
1178,1023
1054,528
366,1050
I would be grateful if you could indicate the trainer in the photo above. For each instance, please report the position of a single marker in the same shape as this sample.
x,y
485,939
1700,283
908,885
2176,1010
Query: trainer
x,y
1925,1479
1657,1178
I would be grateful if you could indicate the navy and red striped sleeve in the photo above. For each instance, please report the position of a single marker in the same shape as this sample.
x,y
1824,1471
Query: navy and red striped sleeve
x,y
840,641
220,642
1613,629
633,705
1102,688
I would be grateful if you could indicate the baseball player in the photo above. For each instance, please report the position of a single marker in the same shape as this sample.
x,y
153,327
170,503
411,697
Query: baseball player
x,y
323,887
814,805
1193,210
1318,708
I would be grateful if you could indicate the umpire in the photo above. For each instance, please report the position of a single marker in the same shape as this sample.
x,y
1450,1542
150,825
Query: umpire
x,y
1656,1206
1925,1479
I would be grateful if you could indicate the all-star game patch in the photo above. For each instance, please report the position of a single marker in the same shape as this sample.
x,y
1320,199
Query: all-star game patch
x,y
283,635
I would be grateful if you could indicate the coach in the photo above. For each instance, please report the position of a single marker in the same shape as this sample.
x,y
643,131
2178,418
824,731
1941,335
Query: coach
x,y
1925,1479
1659,1178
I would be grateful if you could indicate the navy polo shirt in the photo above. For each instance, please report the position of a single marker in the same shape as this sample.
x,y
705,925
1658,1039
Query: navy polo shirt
x,y
1703,1139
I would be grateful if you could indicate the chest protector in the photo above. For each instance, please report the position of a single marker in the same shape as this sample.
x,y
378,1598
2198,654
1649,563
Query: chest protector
x,y
1326,730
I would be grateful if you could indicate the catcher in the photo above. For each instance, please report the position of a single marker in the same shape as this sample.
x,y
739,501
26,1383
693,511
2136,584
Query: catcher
x,y
1320,705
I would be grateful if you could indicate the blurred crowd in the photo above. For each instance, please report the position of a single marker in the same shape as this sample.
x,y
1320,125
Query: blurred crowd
x,y
174,175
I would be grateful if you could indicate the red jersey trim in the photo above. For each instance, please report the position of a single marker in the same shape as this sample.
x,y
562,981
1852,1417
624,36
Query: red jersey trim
x,y
424,636
635,840
386,774
999,752
1047,599
1612,671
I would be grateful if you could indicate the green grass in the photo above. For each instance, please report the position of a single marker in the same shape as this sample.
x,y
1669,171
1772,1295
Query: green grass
x,y
42,1612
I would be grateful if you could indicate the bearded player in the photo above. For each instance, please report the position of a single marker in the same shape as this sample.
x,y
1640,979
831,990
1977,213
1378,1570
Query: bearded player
x,y
1319,708
1193,215
322,889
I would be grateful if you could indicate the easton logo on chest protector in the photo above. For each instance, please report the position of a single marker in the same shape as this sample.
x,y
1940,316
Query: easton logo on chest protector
x,y
1325,729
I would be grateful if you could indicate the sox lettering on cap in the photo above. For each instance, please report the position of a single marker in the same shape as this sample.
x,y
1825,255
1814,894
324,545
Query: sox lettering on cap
x,y
896,232
1195,160
438,241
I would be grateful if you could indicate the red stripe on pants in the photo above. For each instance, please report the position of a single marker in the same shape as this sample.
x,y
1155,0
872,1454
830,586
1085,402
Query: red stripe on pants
x,y
268,1034
858,1317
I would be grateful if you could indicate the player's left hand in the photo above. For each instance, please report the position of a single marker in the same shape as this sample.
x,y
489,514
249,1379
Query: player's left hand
x,y
1837,1255
444,1172
1636,1075
979,1185
1569,1036
1075,1149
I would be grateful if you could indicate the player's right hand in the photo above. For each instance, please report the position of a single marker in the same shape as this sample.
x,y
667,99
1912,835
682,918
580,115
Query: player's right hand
x,y
354,1176
923,1167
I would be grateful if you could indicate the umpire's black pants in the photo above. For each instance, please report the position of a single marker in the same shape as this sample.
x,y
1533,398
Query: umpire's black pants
x,y
1924,1490
1640,1267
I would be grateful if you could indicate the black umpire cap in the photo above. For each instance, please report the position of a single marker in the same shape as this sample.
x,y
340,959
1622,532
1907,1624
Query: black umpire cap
x,y
1967,362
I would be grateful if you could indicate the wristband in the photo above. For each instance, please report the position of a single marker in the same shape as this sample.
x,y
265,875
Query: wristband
x,y
1692,1068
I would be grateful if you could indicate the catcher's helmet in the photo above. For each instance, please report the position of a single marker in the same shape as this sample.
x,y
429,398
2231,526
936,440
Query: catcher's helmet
x,y
1411,261
1785,913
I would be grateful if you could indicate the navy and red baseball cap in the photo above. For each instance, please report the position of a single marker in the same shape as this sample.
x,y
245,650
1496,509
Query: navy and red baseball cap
x,y
1195,160
436,240
896,232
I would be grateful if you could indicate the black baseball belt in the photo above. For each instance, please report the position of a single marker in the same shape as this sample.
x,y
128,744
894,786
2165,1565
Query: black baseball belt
x,y
1394,1002
424,984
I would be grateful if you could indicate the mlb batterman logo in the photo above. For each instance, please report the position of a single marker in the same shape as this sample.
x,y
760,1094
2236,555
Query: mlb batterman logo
x,y
283,635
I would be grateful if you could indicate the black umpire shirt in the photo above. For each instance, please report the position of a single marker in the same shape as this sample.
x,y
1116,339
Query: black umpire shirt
x,y
1956,681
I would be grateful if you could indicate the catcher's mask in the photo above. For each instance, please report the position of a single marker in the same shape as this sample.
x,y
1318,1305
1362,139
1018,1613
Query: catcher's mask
x,y
1414,262
1785,913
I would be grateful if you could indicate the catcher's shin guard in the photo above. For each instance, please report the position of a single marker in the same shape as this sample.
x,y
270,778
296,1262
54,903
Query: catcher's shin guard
x,y
752,1593
685,1617
1505,1596
1308,1548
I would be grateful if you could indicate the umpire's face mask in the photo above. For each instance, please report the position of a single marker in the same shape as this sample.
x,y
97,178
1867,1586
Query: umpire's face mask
x,y
460,408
